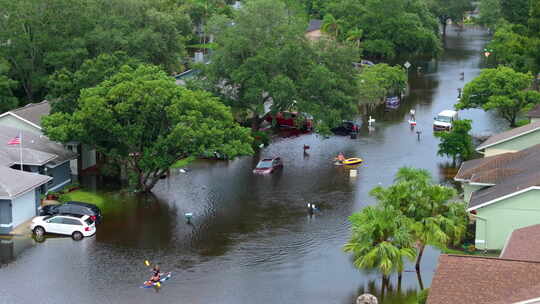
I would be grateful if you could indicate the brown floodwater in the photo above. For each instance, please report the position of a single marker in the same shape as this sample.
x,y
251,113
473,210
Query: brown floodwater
x,y
251,239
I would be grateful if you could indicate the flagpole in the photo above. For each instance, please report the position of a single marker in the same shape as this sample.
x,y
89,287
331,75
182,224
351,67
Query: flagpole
x,y
20,149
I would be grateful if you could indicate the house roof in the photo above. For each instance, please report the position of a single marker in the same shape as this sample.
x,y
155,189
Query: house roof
x,y
523,244
474,279
37,149
15,182
507,174
508,135
33,112
314,24
535,112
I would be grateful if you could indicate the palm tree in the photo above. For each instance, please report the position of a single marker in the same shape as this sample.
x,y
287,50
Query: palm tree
x,y
331,25
355,35
380,240
434,221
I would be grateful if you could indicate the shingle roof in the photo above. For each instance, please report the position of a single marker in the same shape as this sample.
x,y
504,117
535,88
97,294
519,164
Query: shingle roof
x,y
505,136
510,172
314,24
535,112
523,244
37,149
33,112
15,182
479,280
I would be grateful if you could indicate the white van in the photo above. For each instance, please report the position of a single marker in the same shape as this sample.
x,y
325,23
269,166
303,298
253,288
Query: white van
x,y
443,121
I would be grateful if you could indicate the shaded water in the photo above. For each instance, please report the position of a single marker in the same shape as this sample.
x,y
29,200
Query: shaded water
x,y
251,240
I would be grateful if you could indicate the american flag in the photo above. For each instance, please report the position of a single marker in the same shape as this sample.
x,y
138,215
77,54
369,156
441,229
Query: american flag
x,y
15,141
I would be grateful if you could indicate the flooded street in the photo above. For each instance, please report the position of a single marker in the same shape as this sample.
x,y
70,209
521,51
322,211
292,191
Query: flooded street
x,y
251,239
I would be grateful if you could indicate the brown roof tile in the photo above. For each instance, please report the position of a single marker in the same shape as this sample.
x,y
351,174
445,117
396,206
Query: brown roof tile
x,y
479,280
523,244
504,136
33,112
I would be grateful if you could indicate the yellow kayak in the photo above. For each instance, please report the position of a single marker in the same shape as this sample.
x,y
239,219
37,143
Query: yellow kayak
x,y
350,161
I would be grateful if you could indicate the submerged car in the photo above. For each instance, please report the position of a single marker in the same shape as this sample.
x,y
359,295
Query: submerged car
x,y
346,128
74,208
78,226
268,165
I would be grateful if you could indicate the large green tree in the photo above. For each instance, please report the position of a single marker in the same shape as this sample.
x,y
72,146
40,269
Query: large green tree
x,y
516,11
140,118
47,36
503,90
264,61
490,13
65,86
435,220
411,30
446,10
379,81
457,143
7,85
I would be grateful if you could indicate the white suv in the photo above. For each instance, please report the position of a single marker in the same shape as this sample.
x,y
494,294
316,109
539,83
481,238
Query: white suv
x,y
78,226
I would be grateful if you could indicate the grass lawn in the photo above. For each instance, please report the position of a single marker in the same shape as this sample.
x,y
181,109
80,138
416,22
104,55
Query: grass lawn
x,y
84,196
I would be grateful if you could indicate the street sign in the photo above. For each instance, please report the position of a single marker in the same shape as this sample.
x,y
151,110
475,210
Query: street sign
x,y
407,65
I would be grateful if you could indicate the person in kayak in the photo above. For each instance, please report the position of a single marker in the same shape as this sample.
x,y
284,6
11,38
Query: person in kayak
x,y
156,274
341,157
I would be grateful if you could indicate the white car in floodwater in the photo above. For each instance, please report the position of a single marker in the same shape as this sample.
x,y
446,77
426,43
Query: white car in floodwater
x,y
78,226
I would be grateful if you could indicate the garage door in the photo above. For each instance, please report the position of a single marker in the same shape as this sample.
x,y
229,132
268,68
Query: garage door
x,y
23,208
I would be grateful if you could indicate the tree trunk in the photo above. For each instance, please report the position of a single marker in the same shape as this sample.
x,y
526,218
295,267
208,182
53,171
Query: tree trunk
x,y
255,122
383,287
419,259
399,276
419,277
444,24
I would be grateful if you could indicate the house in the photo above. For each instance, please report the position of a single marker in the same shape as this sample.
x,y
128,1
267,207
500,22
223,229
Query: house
x,y
45,167
534,114
28,118
483,280
512,140
503,193
314,30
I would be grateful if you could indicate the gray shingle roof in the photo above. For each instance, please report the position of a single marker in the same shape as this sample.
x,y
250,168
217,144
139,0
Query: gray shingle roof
x,y
37,149
314,24
33,112
15,182
510,172
510,134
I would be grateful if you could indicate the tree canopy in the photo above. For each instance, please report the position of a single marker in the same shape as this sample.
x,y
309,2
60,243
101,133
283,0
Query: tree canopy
x,y
449,10
389,27
41,37
381,80
141,119
503,90
262,59
457,143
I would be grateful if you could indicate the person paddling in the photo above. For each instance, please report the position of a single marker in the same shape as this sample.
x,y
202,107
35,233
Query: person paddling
x,y
156,274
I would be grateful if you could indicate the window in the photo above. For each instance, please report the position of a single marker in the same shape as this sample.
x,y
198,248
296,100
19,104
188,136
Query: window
x,y
56,220
70,221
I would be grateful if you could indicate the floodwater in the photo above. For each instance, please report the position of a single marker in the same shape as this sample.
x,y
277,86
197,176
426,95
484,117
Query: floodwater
x,y
251,239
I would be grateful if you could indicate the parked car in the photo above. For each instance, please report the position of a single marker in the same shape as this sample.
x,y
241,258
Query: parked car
x,y
268,165
75,208
444,120
290,120
346,128
78,226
